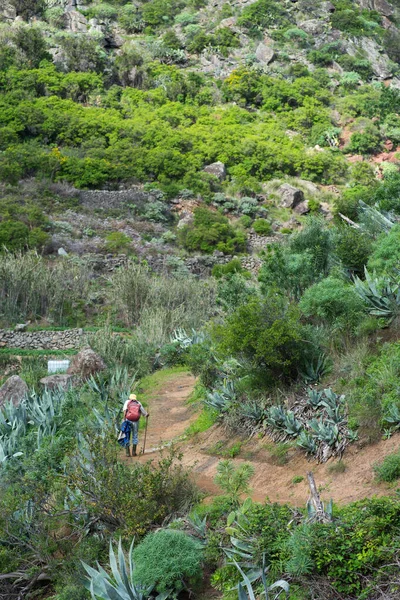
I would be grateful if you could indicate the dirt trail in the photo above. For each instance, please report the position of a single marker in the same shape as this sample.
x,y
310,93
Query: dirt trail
x,y
171,416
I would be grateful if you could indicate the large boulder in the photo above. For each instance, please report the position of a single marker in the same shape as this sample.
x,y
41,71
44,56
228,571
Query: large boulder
x,y
14,389
381,6
63,381
217,169
290,196
264,52
86,363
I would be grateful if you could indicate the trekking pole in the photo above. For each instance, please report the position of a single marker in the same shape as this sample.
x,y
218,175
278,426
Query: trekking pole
x,y
145,435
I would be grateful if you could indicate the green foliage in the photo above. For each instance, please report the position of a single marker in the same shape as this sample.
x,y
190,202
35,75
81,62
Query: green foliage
x,y
367,142
121,583
333,302
389,469
234,481
262,14
211,231
233,266
169,559
266,332
262,227
117,242
353,248
28,8
386,254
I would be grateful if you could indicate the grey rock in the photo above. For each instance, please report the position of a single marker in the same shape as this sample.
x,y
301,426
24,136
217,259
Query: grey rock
x,y
86,363
290,196
186,219
217,169
7,11
63,381
264,53
302,208
62,252
380,62
14,390
75,21
312,26
381,6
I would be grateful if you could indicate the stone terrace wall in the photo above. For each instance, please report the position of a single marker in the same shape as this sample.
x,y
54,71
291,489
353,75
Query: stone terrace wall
x,y
42,340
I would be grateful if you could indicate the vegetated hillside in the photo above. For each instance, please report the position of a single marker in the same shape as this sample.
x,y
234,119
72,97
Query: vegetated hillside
x,y
211,187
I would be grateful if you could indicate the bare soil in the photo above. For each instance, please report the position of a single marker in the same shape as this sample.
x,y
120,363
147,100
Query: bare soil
x,y
171,415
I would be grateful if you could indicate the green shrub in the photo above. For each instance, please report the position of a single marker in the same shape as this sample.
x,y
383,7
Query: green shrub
x,y
117,242
267,332
353,248
211,231
262,227
333,302
389,469
233,266
169,559
386,254
367,142
262,14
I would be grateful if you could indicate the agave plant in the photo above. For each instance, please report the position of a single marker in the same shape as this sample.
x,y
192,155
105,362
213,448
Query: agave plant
x,y
119,585
185,340
275,588
315,369
393,416
314,397
222,397
253,410
292,425
325,432
276,416
380,294
307,442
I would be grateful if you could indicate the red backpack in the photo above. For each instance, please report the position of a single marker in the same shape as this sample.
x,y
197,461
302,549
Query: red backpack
x,y
133,411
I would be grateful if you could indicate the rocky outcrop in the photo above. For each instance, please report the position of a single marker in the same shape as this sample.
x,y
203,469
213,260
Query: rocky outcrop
x,y
381,6
86,363
264,52
75,21
14,390
380,62
290,196
7,11
217,169
42,340
63,381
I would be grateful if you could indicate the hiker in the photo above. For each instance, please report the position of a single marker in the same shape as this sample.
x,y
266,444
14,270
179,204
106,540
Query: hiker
x,y
132,410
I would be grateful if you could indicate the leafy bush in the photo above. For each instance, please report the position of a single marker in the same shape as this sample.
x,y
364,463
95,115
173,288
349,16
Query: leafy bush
x,y
234,480
211,231
386,254
353,248
334,302
233,266
262,227
170,560
367,142
266,332
262,14
117,242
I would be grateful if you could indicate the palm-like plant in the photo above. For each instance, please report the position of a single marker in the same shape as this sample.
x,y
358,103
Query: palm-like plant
x,y
119,585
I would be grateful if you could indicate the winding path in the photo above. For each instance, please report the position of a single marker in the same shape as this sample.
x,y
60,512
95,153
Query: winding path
x,y
171,415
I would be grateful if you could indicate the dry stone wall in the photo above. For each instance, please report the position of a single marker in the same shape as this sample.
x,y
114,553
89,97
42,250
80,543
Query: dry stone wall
x,y
43,340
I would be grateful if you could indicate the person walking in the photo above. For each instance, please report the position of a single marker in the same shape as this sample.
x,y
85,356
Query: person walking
x,y
132,410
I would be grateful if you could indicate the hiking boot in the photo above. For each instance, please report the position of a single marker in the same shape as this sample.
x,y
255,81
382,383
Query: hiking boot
x,y
127,450
134,450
